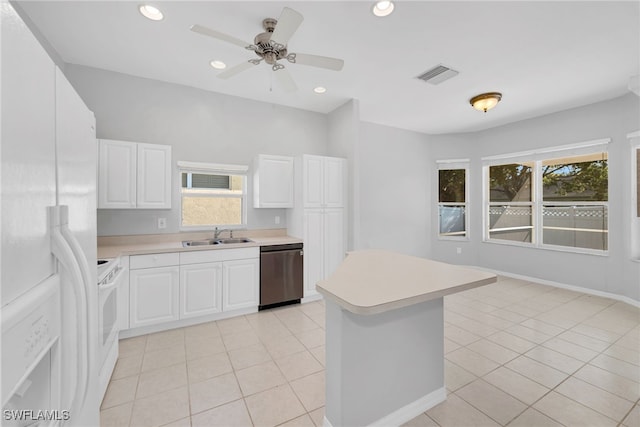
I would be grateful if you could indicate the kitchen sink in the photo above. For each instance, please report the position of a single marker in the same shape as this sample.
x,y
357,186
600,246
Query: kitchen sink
x,y
189,243
210,242
233,240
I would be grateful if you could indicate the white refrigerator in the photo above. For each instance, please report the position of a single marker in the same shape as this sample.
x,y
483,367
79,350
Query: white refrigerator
x,y
48,288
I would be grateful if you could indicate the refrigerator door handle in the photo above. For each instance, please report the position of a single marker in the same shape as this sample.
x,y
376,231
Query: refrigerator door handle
x,y
82,262
63,251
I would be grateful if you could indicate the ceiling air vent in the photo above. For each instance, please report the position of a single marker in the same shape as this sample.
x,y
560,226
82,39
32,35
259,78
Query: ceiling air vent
x,y
437,74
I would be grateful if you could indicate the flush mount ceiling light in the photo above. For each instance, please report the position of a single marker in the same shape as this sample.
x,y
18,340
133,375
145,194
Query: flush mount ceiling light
x,y
151,12
218,65
320,89
383,8
485,101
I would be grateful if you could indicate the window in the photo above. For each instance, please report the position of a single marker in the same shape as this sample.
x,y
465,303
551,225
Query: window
x,y
212,195
552,198
452,199
574,201
511,202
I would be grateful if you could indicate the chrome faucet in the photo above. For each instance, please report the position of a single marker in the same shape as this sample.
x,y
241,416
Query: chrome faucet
x,y
216,232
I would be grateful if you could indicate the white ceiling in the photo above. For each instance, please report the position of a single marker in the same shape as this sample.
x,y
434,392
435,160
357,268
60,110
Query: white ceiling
x,y
543,56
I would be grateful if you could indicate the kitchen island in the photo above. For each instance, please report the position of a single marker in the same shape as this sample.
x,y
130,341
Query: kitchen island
x,y
385,335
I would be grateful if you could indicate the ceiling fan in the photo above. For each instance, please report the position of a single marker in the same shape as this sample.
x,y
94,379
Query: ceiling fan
x,y
271,46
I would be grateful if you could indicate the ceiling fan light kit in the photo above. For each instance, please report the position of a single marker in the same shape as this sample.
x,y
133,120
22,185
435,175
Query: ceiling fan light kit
x,y
218,65
383,8
151,12
271,47
485,101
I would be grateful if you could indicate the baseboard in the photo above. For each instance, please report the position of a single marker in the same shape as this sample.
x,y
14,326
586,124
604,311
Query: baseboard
x,y
311,298
407,412
588,291
160,327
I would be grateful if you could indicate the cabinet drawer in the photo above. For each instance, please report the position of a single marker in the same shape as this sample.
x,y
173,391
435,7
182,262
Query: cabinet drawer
x,y
153,260
196,257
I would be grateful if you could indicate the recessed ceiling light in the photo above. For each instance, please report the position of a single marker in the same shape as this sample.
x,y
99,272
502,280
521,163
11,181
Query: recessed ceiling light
x,y
151,12
320,89
218,65
383,8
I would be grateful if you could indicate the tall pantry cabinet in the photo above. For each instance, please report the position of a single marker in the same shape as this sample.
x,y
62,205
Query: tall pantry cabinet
x,y
319,216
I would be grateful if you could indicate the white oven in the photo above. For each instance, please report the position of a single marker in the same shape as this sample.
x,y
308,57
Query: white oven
x,y
110,277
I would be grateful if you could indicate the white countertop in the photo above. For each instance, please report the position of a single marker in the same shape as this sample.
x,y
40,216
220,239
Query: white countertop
x,y
127,247
375,281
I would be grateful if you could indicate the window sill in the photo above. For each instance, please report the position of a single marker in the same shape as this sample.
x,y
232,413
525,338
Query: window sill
x,y
553,248
454,238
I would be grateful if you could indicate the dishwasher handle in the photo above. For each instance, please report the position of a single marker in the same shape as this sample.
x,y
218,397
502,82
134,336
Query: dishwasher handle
x,y
280,248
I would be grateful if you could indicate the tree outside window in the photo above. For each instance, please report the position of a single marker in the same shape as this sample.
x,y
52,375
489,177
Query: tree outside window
x,y
452,207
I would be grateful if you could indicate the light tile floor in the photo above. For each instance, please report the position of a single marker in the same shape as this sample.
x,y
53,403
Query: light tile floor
x,y
517,354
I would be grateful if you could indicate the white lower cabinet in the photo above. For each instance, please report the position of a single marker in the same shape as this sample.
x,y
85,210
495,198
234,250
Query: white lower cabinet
x,y
174,286
241,284
324,245
200,289
153,295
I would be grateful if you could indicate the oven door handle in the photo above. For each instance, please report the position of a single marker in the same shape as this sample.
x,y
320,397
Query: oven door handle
x,y
113,283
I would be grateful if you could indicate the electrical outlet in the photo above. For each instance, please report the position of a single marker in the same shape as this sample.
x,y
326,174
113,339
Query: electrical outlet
x,y
458,251
277,219
162,223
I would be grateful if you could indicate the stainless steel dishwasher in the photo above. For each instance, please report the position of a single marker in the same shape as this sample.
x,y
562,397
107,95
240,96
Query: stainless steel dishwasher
x,y
281,279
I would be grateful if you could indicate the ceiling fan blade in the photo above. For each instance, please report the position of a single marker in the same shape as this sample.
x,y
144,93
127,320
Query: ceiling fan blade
x,y
218,35
236,69
319,61
288,23
286,81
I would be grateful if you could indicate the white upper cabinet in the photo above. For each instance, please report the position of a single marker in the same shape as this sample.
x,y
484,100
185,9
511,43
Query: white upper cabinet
x,y
154,176
117,175
134,175
272,181
323,181
334,180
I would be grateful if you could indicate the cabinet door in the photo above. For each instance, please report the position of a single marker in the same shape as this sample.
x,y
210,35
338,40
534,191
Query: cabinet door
x,y
312,181
241,283
200,289
334,179
273,182
334,240
154,295
154,176
313,250
123,295
117,175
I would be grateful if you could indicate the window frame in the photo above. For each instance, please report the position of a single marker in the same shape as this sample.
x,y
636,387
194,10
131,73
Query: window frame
x,y
453,164
215,169
634,146
537,157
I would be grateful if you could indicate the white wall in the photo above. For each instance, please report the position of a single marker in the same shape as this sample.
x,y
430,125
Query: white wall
x,y
394,190
200,126
343,123
614,273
